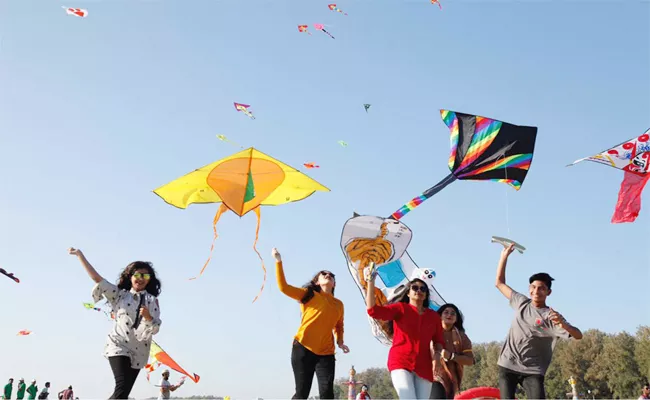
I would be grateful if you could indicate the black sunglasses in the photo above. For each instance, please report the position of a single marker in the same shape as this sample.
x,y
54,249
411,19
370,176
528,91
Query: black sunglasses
x,y
419,288
327,273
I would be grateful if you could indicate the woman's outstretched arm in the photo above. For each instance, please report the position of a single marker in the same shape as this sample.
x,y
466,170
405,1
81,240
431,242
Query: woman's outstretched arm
x,y
94,275
291,291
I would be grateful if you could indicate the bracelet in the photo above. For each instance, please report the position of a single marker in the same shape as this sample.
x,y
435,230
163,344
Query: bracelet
x,y
453,355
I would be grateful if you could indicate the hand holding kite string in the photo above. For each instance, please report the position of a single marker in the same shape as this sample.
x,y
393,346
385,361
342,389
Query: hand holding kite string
x,y
276,254
507,250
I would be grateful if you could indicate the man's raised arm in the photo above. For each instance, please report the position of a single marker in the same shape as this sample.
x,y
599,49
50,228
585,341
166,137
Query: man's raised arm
x,y
501,272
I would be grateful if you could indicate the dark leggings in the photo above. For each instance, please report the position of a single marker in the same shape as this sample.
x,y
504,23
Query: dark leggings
x,y
304,364
533,384
125,376
438,392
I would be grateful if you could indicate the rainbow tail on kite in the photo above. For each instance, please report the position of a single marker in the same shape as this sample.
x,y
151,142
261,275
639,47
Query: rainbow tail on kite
x,y
408,207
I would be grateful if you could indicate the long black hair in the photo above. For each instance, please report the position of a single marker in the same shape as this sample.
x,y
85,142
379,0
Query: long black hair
x,y
459,315
153,286
313,286
404,298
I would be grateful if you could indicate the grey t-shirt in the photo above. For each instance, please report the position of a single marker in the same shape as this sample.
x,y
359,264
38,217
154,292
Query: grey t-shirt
x,y
528,349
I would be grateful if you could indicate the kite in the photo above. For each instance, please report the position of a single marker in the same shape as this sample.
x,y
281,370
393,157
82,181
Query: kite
x,y
482,149
303,28
436,2
9,275
24,333
242,183
79,12
161,357
633,157
333,7
342,143
91,306
321,27
381,243
366,106
244,108
223,138
311,165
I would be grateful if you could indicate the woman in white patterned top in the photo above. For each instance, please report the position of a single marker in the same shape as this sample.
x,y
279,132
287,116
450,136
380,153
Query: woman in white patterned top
x,y
137,319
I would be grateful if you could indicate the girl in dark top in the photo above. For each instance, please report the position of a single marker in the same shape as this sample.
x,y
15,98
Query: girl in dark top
x,y
456,354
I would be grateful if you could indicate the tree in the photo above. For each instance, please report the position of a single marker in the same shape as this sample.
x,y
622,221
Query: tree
x,y
642,351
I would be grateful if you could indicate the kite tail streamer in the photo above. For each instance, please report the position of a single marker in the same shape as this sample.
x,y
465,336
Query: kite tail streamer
x,y
222,209
629,198
408,207
257,231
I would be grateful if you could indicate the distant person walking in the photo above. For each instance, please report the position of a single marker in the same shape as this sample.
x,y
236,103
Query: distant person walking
x,y
134,301
9,387
313,346
166,387
20,394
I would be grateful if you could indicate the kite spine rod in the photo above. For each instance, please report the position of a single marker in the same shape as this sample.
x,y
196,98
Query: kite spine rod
x,y
416,201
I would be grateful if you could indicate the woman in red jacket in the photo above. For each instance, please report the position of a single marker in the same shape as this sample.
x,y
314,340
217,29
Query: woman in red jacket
x,y
417,338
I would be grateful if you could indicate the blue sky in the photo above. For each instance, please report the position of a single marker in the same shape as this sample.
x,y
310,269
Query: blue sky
x,y
95,113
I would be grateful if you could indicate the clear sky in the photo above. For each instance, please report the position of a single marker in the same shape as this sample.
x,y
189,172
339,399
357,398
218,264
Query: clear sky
x,y
95,113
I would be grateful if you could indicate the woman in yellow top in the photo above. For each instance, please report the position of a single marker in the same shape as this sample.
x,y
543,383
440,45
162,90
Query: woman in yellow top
x,y
313,346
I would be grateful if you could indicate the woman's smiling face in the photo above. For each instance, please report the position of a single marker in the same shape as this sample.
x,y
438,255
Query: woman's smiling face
x,y
140,279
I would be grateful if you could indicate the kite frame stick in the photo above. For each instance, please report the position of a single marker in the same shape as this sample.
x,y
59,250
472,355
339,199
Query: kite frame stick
x,y
506,241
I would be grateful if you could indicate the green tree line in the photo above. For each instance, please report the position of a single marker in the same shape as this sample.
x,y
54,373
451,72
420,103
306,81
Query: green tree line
x,y
605,366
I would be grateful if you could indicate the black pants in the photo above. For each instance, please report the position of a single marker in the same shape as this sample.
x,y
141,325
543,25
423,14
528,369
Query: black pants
x,y
304,364
125,376
438,392
533,384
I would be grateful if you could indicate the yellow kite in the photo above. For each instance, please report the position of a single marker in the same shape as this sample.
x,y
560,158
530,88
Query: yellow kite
x,y
241,182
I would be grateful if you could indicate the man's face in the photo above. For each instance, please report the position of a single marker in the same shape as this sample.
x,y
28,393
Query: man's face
x,y
11,381
646,391
538,291
165,376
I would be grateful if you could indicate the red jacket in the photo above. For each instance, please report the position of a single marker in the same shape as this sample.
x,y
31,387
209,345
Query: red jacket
x,y
412,336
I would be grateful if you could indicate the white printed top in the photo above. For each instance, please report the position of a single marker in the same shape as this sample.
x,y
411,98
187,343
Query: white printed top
x,y
123,340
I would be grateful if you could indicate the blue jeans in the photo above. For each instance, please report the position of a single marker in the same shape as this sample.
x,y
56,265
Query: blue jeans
x,y
508,380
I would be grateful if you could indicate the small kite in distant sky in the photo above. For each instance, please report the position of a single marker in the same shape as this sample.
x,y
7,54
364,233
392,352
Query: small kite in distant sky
x,y
633,157
79,12
24,333
366,106
321,27
303,28
311,165
91,306
436,2
223,138
9,275
333,7
244,108
342,143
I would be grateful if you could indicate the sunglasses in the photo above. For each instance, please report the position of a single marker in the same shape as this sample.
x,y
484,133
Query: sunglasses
x,y
138,275
449,312
327,273
418,288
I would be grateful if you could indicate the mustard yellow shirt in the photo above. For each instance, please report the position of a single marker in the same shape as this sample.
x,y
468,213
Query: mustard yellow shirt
x,y
322,317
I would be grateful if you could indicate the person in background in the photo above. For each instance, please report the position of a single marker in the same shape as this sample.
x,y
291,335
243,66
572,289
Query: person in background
x,y
67,394
363,394
313,346
20,394
134,300
166,387
9,387
45,392
456,353
32,390
416,335
645,392
528,349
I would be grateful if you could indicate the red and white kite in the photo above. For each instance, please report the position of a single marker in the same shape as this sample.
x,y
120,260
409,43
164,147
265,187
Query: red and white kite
x,y
79,12
24,333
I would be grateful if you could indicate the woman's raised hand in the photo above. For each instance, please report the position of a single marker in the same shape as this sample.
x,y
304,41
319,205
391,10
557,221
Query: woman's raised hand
x,y
74,252
276,254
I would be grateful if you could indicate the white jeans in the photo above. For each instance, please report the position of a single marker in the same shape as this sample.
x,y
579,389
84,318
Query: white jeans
x,y
409,386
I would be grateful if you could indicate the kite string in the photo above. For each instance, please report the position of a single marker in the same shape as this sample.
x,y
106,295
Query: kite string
x,y
507,202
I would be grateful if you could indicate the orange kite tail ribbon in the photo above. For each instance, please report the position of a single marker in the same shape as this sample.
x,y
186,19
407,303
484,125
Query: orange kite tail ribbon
x,y
257,231
222,209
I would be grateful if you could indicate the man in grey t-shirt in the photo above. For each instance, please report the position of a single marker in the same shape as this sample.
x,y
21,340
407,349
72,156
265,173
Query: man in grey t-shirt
x,y
535,329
